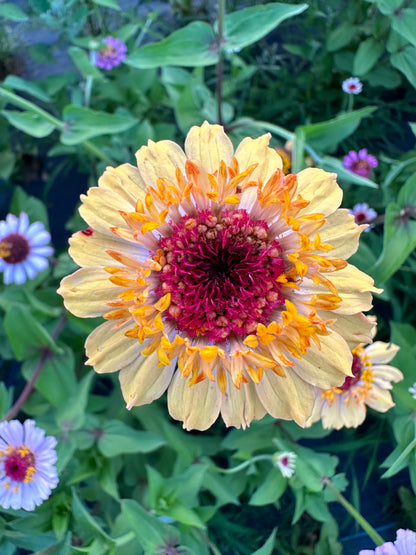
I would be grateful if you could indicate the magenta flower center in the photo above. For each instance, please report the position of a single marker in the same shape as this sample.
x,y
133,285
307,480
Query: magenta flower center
x,y
14,248
284,461
19,464
360,217
221,271
357,370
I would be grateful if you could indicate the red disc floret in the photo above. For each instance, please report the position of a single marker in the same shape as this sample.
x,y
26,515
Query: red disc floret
x,y
357,370
221,271
14,248
17,464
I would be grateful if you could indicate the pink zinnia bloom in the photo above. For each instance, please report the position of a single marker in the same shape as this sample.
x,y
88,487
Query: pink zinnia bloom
x,y
352,85
405,544
363,213
360,162
112,55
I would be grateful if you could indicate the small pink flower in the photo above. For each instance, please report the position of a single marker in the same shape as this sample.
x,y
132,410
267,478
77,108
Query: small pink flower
x,y
405,544
363,214
112,55
352,85
360,163
286,462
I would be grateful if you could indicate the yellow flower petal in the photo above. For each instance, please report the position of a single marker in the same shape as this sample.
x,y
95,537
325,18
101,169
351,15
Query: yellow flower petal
x,y
256,151
209,145
160,160
240,407
101,210
126,182
320,189
341,231
380,352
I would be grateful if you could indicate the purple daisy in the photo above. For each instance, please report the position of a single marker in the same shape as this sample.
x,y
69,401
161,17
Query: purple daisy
x,y
112,55
352,85
363,214
27,471
405,544
23,248
360,163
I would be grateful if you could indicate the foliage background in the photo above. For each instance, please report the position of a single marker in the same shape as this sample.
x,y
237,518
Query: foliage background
x,y
135,482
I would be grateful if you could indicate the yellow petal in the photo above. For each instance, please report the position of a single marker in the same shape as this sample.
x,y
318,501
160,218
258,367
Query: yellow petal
x,y
126,182
240,406
379,399
380,352
110,350
289,398
341,231
209,145
143,381
86,292
160,160
197,406
354,328
101,210
354,287
320,189
256,151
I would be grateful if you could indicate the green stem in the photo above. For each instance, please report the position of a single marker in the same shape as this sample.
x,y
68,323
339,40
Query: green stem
x,y
27,105
350,104
366,526
244,464
220,64
88,89
125,538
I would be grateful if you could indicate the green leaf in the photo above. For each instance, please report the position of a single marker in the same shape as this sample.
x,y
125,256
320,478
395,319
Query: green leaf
x,y
28,122
405,61
7,162
185,515
19,84
82,124
317,508
84,64
271,488
118,438
12,12
366,56
387,7
268,547
401,461
27,337
340,37
326,135
247,26
84,519
330,164
405,24
193,45
71,415
107,4
34,208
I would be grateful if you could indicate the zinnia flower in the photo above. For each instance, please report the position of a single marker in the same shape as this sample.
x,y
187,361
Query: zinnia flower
x,y
352,85
210,260
363,213
286,462
23,248
27,471
405,544
112,55
370,385
360,163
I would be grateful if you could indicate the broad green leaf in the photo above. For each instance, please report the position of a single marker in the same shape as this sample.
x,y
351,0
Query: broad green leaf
x,y
151,532
193,45
270,489
340,37
387,7
407,194
7,162
405,61
84,64
84,519
246,26
18,84
366,56
6,399
118,438
328,163
405,24
184,514
12,12
107,4
71,414
326,135
268,547
29,122
317,508
401,461
82,124
27,337
34,208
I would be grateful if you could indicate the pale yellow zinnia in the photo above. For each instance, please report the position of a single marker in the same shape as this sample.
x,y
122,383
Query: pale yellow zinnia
x,y
220,279
346,406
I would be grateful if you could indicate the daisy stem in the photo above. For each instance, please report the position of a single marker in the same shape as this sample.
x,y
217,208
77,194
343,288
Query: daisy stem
x,y
31,383
220,64
244,464
366,526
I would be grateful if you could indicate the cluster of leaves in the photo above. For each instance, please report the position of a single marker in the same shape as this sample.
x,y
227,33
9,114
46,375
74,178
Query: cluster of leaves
x,y
134,482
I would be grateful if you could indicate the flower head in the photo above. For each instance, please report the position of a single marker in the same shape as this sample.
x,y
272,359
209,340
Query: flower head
x,y
215,282
363,213
286,462
112,55
405,544
369,386
360,163
27,471
23,248
352,85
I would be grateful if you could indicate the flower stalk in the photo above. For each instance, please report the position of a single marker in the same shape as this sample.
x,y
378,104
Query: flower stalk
x,y
220,64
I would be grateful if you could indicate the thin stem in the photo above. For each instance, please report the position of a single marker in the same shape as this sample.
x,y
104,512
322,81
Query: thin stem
x,y
220,64
243,465
98,153
366,526
31,383
88,89
27,105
